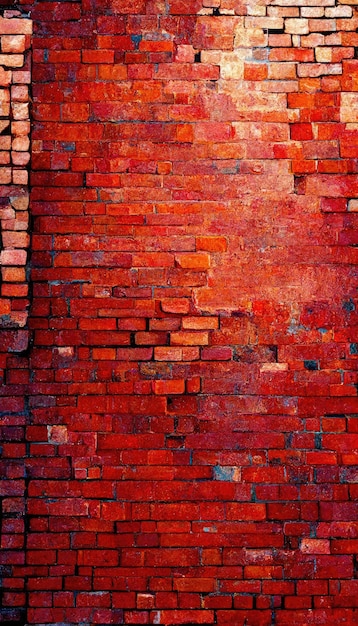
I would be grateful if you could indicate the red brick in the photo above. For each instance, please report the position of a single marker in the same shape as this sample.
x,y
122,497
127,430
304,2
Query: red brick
x,y
189,387
163,387
301,132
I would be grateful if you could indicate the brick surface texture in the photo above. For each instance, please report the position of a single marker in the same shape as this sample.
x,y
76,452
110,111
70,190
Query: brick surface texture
x,y
178,406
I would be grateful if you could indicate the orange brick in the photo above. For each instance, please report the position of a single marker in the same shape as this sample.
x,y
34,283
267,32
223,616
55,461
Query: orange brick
x,y
5,306
185,133
200,323
196,262
13,274
104,354
164,387
175,305
211,244
255,71
189,339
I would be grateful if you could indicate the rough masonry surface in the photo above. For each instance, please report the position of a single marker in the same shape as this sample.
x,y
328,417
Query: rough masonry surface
x,y
179,404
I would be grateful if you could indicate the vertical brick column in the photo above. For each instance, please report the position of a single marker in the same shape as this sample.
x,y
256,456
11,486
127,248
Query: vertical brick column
x,y
15,79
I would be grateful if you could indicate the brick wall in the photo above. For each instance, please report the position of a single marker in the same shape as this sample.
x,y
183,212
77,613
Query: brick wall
x,y
15,78
183,424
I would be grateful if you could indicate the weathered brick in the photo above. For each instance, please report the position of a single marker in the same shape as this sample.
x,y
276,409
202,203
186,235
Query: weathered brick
x,y
13,43
189,388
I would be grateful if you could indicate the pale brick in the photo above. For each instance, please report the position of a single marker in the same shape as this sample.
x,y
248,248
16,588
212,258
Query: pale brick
x,y
20,110
23,224
323,55
5,109
20,128
4,95
4,158
13,257
305,3
6,214
20,144
5,142
21,77
20,203
232,64
20,177
12,60
264,22
5,77
185,54
312,70
13,43
280,86
312,11
322,25
19,93
211,3
312,41
15,239
4,124
256,10
20,158
283,11
282,70
349,107
274,367
9,13
5,175
339,11
334,39
353,205
251,37
17,224
297,26
15,26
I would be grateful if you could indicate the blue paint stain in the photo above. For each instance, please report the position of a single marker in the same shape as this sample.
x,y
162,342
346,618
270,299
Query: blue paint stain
x,y
223,473
136,40
349,305
69,146
311,365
